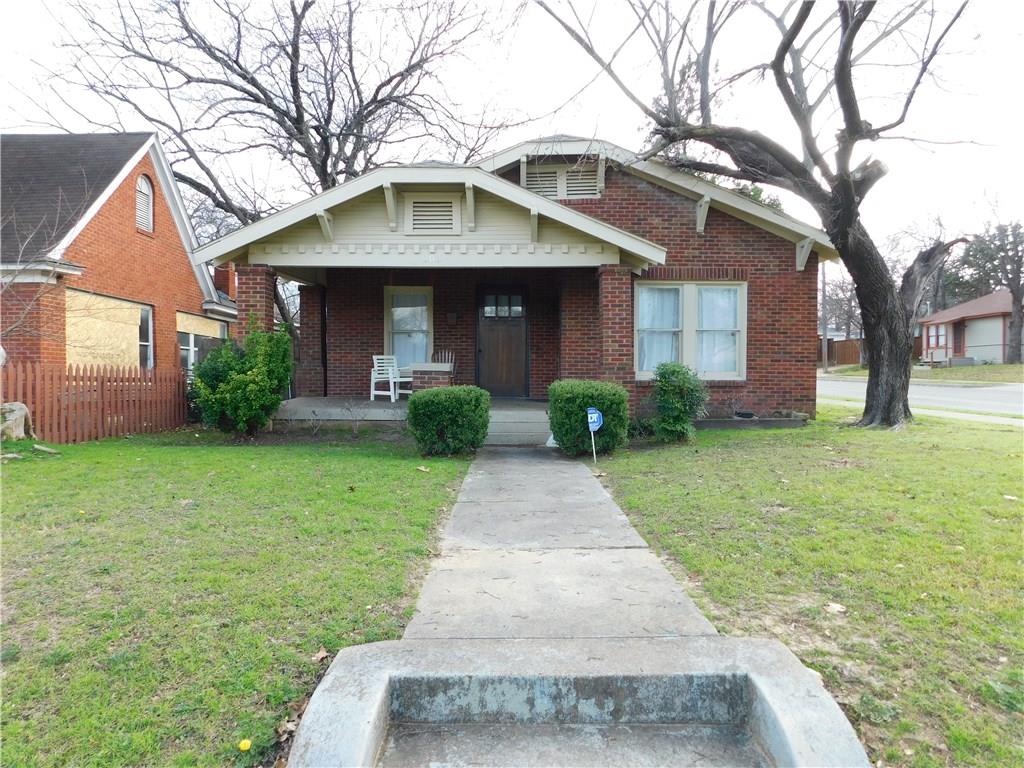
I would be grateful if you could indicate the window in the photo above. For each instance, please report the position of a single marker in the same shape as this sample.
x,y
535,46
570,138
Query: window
x,y
193,348
564,182
503,305
936,336
433,214
701,325
144,204
408,324
146,337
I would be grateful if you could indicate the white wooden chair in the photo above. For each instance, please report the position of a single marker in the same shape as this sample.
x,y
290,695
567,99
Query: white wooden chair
x,y
385,368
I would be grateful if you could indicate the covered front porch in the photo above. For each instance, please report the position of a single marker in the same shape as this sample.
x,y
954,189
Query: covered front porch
x,y
514,421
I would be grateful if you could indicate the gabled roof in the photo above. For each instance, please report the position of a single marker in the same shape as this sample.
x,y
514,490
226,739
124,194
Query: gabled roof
x,y
236,243
658,172
50,182
996,303
52,185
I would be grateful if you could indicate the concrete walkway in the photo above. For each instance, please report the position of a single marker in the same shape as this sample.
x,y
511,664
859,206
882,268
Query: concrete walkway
x,y
536,548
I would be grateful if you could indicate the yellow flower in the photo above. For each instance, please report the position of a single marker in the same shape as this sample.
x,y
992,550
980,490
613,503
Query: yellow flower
x,y
244,745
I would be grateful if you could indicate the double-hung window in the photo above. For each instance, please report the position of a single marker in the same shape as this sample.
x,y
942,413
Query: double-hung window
x,y
408,324
701,325
145,337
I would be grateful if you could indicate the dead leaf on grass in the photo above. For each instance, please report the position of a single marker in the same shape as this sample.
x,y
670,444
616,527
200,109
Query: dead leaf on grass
x,y
835,608
599,473
423,469
320,655
280,763
1010,498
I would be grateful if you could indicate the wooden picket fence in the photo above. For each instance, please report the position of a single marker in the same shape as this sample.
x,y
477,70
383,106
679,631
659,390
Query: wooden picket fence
x,y
79,403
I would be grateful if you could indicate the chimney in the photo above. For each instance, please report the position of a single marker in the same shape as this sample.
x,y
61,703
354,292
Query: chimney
x,y
224,280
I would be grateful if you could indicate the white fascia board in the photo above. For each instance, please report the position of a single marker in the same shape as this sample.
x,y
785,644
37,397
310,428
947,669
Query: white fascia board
x,y
57,252
236,243
41,271
657,172
176,204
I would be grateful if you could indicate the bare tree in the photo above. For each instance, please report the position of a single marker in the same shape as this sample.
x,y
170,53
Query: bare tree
x,y
821,52
328,89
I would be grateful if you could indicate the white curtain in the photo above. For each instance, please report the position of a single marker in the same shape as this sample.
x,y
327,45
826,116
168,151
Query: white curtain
x,y
409,327
717,330
658,322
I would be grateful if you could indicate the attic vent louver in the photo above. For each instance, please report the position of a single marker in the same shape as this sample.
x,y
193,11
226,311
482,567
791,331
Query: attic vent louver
x,y
561,182
433,215
542,181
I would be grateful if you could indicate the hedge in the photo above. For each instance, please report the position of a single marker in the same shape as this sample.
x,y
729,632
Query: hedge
x,y
449,420
681,398
569,400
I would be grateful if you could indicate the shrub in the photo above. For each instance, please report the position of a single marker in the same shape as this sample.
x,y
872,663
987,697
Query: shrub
x,y
239,389
447,420
680,398
569,400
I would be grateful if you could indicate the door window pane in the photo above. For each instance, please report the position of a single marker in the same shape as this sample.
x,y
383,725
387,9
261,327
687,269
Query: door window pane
x,y
490,305
503,305
517,306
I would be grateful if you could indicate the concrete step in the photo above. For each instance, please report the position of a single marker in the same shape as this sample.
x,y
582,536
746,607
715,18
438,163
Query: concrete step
x,y
502,437
512,416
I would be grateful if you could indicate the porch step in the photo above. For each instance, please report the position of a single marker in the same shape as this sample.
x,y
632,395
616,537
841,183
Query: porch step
x,y
523,423
516,438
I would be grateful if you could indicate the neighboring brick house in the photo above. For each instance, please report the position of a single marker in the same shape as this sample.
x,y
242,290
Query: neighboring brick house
x,y
95,258
558,258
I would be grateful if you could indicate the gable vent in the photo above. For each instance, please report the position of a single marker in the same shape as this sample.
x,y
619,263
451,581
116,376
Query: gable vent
x,y
542,181
581,182
433,216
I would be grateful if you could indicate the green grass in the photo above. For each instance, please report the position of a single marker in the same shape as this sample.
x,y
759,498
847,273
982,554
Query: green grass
x,y
911,532
1009,373
164,596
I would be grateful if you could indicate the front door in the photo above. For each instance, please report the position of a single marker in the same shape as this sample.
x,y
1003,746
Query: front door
x,y
958,339
501,356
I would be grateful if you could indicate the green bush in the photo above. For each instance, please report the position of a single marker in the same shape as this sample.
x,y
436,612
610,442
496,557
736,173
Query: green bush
x,y
569,400
449,420
238,390
680,397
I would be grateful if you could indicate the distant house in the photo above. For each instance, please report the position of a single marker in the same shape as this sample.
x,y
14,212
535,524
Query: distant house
x,y
95,256
977,329
558,258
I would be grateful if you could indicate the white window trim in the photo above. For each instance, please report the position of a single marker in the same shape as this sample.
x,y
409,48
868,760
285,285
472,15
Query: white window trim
x,y
391,290
688,332
414,197
562,172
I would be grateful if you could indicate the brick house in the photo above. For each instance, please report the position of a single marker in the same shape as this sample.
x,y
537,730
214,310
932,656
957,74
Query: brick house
x,y
95,256
557,258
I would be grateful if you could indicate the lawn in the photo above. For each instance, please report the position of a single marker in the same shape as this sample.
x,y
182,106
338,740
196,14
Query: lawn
x,y
1010,373
888,561
166,597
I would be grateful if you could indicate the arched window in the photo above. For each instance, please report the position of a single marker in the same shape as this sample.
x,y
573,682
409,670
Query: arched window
x,y
144,204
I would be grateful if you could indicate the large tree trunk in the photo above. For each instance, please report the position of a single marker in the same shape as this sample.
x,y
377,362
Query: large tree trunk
x,y
886,329
1013,337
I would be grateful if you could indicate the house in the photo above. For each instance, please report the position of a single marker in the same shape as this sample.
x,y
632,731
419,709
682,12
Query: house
x,y
975,331
95,256
560,257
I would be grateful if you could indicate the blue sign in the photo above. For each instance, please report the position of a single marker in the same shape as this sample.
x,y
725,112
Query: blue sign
x,y
595,419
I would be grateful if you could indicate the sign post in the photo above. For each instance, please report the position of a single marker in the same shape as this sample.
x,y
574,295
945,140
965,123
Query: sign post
x,y
595,420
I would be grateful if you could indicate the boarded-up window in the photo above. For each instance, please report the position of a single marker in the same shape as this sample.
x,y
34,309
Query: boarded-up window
x,y
144,204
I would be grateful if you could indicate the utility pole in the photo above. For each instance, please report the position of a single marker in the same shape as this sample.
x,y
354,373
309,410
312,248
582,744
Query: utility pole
x,y
824,323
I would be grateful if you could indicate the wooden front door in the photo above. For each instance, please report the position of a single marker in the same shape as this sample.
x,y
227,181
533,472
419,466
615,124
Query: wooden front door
x,y
501,351
958,339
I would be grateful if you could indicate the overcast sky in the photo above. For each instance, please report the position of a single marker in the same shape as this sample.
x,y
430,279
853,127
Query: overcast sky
x,y
534,68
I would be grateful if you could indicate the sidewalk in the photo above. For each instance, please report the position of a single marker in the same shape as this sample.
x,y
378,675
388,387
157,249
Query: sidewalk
x,y
536,548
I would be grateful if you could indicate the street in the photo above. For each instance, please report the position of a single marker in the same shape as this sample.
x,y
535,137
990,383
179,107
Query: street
x,y
989,398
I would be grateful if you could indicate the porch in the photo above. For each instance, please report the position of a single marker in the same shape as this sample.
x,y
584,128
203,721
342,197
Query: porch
x,y
513,421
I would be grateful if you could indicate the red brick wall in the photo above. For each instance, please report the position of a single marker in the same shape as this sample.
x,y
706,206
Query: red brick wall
x,y
149,268
32,316
255,300
781,302
309,372
123,262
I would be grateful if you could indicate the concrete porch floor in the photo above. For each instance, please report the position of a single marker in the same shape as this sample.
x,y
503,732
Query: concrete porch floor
x,y
514,421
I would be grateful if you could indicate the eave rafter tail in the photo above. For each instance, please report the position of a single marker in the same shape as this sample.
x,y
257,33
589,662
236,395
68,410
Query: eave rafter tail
x,y
470,208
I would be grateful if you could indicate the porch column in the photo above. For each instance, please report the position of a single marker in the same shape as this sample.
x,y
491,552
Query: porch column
x,y
309,374
255,299
34,316
615,309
